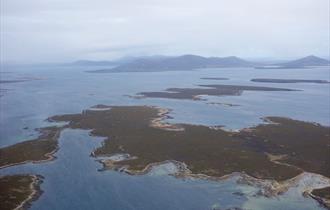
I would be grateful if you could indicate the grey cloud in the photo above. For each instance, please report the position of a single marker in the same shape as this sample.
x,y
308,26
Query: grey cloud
x,y
62,30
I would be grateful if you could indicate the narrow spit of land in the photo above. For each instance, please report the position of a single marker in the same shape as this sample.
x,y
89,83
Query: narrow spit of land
x,y
215,78
35,150
322,196
290,81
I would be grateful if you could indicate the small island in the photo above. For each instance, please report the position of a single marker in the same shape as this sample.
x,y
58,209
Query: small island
x,y
266,80
214,78
211,90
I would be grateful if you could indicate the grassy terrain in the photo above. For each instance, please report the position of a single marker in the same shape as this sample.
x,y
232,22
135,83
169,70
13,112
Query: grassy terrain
x,y
323,193
206,150
32,150
322,196
301,146
211,90
16,189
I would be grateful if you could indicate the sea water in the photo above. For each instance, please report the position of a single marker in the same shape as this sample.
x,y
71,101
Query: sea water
x,y
73,180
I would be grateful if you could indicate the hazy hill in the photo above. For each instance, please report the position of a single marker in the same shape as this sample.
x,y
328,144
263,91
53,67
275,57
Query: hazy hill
x,y
92,63
306,61
184,62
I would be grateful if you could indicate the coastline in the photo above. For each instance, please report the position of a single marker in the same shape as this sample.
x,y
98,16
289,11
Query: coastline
x,y
154,117
35,194
159,121
18,191
305,181
324,201
48,156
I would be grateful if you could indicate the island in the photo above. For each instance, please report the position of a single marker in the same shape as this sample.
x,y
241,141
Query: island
x,y
267,80
138,138
214,78
211,90
301,63
173,63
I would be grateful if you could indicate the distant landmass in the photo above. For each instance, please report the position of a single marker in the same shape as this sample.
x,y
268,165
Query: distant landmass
x,y
93,63
117,62
307,62
191,62
267,80
184,62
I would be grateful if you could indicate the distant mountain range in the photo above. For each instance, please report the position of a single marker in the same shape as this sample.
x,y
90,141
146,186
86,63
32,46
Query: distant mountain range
x,y
190,62
114,62
184,62
93,63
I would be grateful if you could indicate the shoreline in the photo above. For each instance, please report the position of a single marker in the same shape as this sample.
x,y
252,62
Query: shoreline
x,y
270,188
160,120
155,117
49,156
35,194
19,191
322,201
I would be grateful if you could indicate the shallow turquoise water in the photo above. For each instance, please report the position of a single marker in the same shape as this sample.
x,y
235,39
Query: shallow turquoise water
x,y
73,182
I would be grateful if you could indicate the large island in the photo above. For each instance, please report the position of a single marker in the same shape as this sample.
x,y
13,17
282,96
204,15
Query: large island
x,y
279,150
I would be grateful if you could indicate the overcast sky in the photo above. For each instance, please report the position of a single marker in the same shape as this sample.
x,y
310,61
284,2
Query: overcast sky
x,y
67,30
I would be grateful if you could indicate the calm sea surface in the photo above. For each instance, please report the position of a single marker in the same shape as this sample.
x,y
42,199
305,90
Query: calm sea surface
x,y
73,181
